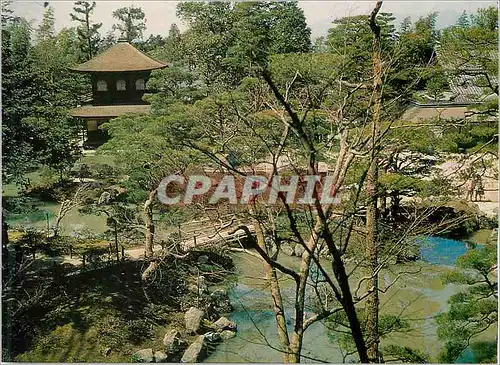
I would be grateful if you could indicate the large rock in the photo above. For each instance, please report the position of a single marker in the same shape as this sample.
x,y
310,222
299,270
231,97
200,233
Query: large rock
x,y
226,335
194,318
220,301
212,337
287,249
104,198
145,355
271,250
174,342
196,352
211,340
161,356
299,250
202,259
224,324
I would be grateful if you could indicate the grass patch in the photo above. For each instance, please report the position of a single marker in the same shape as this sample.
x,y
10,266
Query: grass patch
x,y
97,159
481,237
68,344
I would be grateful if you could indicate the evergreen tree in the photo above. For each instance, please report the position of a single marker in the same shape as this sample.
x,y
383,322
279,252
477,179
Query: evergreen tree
x,y
474,309
37,91
152,43
351,37
46,28
132,23
319,45
173,43
289,33
6,12
107,41
463,20
88,32
405,26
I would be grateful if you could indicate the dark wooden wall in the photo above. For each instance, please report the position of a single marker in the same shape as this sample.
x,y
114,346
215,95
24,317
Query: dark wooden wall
x,y
114,97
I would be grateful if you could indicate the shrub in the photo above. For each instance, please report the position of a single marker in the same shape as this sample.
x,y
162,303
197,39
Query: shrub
x,y
139,330
112,332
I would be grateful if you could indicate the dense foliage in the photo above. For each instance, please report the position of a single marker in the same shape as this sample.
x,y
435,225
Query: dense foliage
x,y
37,92
472,310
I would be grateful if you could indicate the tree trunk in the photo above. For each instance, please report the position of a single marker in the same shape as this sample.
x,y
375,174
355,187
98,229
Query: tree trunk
x,y
298,330
65,207
338,266
279,312
371,253
116,243
349,307
5,233
395,199
89,40
371,250
383,202
150,227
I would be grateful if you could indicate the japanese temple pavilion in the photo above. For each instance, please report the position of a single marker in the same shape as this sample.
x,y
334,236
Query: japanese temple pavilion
x,y
119,77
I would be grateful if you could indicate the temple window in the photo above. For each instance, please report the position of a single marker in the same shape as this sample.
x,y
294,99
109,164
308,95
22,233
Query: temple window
x,y
140,84
102,85
121,85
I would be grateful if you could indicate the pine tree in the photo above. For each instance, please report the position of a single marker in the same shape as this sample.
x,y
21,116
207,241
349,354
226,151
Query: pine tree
x,y
132,23
46,28
463,20
88,33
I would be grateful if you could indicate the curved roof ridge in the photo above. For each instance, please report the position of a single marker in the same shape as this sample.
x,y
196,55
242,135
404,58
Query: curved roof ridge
x,y
120,57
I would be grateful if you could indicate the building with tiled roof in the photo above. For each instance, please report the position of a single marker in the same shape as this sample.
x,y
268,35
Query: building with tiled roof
x,y
119,77
466,88
466,78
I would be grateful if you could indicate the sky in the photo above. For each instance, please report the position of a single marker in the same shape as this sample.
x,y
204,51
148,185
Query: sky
x,y
319,14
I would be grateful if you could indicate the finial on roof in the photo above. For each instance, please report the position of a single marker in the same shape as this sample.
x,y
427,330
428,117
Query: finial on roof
x,y
122,38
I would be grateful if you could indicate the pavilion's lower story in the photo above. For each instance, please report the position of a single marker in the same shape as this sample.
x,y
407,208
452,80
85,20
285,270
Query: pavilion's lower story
x,y
93,117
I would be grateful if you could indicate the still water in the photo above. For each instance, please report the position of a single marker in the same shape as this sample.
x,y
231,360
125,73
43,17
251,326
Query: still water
x,y
441,251
417,296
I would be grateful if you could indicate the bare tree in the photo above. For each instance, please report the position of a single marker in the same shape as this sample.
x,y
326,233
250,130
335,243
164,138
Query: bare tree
x,y
68,204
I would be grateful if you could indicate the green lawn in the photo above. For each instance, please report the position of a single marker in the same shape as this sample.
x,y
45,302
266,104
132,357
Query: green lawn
x,y
98,159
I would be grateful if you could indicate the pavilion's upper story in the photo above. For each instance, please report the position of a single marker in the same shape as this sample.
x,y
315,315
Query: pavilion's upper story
x,y
119,75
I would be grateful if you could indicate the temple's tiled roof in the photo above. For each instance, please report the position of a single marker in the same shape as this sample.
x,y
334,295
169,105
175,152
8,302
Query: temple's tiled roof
x,y
108,111
121,57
